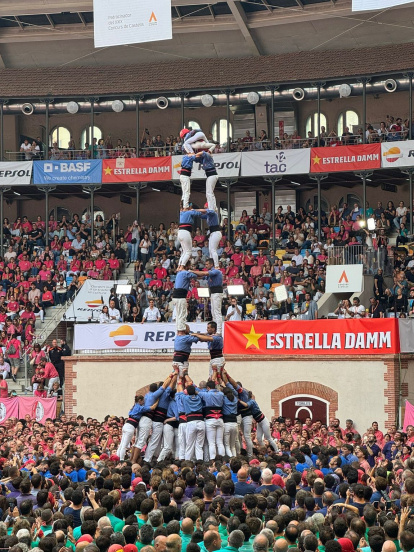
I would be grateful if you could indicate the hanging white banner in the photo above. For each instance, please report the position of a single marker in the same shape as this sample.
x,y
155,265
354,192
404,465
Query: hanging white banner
x,y
227,166
344,279
131,336
126,22
366,5
15,173
275,162
397,154
88,303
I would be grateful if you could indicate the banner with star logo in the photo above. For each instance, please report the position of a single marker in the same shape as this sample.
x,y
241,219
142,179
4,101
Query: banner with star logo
x,y
141,169
365,336
346,158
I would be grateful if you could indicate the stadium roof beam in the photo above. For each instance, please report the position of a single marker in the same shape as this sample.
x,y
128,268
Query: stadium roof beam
x,y
300,4
19,22
241,20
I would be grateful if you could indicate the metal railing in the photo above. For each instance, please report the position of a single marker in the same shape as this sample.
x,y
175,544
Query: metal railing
x,y
371,258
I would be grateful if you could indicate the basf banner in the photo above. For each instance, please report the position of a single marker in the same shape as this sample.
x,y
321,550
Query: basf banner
x,y
344,278
15,173
227,166
366,5
346,158
143,169
275,162
130,336
362,336
88,303
397,154
126,22
68,172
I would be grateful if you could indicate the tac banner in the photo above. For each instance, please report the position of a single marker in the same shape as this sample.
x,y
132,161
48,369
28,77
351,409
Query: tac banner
x,y
364,336
15,173
142,169
92,296
366,5
344,278
397,154
126,22
275,162
345,158
37,408
130,336
227,166
9,408
68,172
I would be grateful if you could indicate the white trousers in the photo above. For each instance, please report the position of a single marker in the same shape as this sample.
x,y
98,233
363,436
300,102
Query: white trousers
x,y
145,425
181,367
185,182
211,182
198,137
217,363
128,431
213,243
216,300
182,440
230,437
246,425
180,313
170,435
195,432
155,440
184,237
214,434
263,430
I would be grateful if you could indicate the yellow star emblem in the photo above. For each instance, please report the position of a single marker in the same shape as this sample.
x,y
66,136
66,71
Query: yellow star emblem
x,y
316,160
252,338
108,170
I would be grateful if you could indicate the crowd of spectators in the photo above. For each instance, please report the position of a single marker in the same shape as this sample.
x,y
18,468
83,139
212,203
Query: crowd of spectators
x,y
36,277
327,489
390,130
297,261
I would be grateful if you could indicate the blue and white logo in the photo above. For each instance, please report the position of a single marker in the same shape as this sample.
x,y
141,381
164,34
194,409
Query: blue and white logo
x,y
67,172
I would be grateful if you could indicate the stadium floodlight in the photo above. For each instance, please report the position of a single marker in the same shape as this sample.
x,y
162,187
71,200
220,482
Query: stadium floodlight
x,y
253,98
371,224
203,292
123,289
117,106
236,290
280,293
72,107
344,90
207,100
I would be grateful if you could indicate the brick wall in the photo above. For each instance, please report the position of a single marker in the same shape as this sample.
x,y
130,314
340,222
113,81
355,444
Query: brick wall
x,y
305,388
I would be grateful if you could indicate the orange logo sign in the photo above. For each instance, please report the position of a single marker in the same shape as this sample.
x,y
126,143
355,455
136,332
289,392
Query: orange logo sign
x,y
153,19
343,278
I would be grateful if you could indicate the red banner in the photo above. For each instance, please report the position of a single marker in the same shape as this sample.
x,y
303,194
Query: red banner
x,y
9,408
346,158
364,336
142,169
37,408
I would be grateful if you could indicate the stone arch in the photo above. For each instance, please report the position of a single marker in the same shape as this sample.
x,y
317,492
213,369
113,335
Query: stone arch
x,y
305,388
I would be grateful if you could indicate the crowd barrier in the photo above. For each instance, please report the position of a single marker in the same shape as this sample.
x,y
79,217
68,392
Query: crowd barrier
x,y
362,336
18,407
229,165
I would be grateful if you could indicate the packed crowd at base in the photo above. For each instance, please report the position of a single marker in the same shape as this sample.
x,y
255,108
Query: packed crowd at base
x,y
325,488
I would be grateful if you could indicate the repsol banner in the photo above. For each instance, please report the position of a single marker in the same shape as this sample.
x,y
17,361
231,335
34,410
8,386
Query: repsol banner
x,y
15,173
363,336
92,296
130,336
227,166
